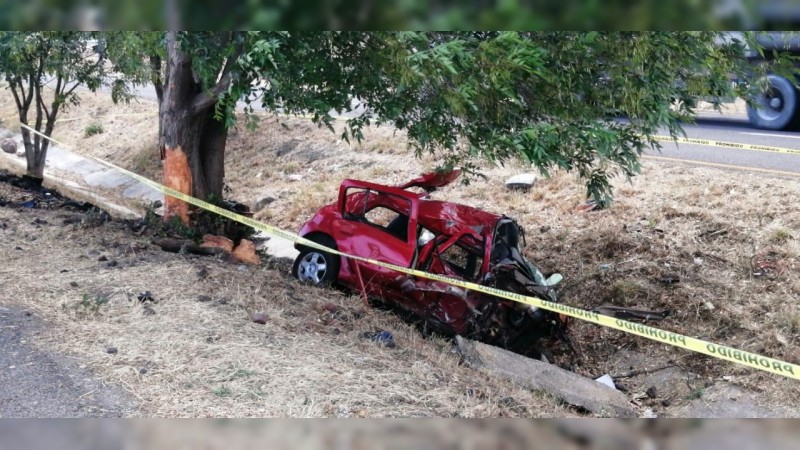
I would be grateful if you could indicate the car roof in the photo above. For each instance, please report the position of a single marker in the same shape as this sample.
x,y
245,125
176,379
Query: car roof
x,y
449,218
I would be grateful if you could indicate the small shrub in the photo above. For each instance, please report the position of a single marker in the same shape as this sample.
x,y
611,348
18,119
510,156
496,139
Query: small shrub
x,y
92,129
92,303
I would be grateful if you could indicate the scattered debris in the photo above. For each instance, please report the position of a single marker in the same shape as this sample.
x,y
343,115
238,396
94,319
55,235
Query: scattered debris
x,y
767,263
565,385
384,337
651,392
102,258
186,246
620,312
246,252
606,380
523,181
260,318
264,202
30,204
211,241
669,279
145,296
592,205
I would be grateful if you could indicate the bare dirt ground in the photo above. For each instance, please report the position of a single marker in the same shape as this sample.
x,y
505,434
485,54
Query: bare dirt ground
x,y
729,238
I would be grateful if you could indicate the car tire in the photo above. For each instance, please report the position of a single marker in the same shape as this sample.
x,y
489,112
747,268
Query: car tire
x,y
317,267
776,109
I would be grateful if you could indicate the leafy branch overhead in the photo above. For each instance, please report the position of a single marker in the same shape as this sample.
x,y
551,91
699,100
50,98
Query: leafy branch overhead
x,y
583,102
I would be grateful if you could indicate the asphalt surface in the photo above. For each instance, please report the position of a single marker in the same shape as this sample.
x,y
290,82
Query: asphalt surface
x,y
734,129
36,383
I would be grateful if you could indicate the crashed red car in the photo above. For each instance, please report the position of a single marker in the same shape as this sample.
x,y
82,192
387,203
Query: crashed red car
x,y
402,225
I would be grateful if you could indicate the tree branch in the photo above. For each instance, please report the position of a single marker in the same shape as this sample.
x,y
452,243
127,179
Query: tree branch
x,y
208,98
16,95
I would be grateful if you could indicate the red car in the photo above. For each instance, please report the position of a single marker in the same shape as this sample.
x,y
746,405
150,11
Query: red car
x,y
402,225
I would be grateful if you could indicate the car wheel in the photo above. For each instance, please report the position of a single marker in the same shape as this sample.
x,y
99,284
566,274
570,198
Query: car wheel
x,y
775,109
316,267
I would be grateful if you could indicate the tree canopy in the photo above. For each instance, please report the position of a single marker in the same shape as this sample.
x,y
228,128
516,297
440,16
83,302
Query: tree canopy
x,y
589,103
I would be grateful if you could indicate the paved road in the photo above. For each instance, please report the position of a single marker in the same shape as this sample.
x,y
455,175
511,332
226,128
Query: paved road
x,y
735,129
36,383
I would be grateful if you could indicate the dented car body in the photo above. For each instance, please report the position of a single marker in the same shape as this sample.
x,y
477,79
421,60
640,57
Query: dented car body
x,y
402,225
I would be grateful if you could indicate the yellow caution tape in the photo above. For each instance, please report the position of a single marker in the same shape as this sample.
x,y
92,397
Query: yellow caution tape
x,y
761,148
666,337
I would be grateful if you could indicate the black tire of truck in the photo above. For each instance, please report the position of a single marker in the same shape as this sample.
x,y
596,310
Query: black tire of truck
x,y
777,107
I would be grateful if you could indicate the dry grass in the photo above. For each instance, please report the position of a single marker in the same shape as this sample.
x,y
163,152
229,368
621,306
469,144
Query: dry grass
x,y
198,359
700,224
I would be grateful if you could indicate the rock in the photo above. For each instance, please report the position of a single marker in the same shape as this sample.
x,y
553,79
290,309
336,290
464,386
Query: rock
x,y
9,146
567,386
148,311
260,318
102,258
111,264
523,181
203,298
246,252
263,203
295,177
111,350
211,241
649,414
73,283
21,152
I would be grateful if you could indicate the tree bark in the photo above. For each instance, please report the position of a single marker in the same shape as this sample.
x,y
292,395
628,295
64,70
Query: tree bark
x,y
187,122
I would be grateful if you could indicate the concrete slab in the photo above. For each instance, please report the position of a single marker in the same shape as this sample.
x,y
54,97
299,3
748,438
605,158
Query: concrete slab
x,y
143,192
563,384
107,179
102,186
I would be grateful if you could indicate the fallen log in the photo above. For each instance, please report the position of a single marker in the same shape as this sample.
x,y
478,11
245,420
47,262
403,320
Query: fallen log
x,y
562,384
186,246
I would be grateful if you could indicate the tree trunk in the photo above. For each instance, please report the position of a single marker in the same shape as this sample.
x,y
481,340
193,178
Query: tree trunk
x,y
191,128
212,154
